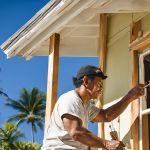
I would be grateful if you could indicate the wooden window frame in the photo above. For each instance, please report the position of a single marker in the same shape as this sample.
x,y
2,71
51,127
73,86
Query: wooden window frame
x,y
136,47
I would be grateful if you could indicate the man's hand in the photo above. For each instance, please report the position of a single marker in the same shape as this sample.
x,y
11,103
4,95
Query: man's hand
x,y
114,145
136,92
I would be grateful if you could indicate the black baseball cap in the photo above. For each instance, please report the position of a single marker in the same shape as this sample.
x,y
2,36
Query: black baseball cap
x,y
90,70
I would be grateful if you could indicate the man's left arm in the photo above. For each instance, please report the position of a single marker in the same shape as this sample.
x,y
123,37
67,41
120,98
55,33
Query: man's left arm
x,y
109,114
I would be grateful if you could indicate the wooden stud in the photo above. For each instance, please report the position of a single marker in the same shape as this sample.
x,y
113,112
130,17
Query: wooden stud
x,y
52,83
135,28
145,132
135,104
102,58
103,41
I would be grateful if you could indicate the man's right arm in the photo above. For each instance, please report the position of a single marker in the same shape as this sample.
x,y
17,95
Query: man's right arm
x,y
110,113
78,133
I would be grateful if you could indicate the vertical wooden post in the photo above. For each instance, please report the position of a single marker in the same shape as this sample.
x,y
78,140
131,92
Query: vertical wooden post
x,y
52,82
135,28
145,132
103,41
135,104
102,61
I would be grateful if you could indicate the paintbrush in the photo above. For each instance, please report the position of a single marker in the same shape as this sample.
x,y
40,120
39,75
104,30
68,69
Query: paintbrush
x,y
147,84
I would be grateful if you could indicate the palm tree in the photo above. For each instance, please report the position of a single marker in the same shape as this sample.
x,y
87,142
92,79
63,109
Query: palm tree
x,y
31,109
9,135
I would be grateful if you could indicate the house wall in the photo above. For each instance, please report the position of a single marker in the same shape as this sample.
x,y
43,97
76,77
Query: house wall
x,y
146,23
118,66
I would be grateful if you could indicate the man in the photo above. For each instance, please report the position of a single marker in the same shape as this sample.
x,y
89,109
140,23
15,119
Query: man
x,y
73,110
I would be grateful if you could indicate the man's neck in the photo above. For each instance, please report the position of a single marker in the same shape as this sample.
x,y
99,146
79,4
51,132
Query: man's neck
x,y
82,93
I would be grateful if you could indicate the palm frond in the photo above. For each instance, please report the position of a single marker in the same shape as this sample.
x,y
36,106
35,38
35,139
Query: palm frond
x,y
34,96
41,113
17,117
16,135
2,133
34,128
20,121
16,105
40,125
25,97
38,105
3,94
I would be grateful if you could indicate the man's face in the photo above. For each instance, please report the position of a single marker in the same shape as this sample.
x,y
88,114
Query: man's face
x,y
95,87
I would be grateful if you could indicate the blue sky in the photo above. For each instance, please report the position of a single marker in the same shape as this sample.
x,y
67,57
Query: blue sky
x,y
17,73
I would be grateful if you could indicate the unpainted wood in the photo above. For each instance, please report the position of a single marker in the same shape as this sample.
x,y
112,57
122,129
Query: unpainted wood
x,y
137,45
52,79
102,58
135,104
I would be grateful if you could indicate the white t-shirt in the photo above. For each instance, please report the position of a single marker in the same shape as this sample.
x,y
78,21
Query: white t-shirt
x,y
57,137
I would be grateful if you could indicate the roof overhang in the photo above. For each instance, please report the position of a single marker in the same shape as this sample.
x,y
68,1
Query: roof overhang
x,y
77,22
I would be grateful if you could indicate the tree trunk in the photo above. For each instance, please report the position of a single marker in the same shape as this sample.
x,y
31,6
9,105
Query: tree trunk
x,y
32,133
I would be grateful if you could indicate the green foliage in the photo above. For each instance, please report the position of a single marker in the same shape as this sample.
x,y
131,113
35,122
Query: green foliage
x,y
31,109
9,134
20,146
27,146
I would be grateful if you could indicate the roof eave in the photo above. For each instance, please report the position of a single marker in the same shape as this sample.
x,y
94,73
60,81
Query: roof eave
x,y
9,45
53,22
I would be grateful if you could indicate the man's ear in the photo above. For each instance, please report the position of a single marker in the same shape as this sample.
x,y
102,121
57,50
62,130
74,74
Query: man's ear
x,y
85,81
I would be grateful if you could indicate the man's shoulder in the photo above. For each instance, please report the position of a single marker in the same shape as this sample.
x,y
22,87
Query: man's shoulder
x,y
69,96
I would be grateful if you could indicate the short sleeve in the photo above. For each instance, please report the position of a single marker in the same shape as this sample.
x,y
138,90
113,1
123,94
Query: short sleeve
x,y
72,106
93,111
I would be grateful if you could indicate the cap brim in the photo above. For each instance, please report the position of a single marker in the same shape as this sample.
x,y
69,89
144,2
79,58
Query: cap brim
x,y
104,77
